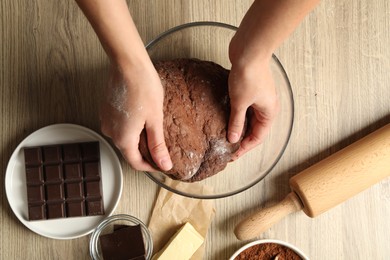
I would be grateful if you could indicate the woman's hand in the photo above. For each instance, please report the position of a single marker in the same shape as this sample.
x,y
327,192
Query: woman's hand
x,y
134,95
134,101
262,30
252,90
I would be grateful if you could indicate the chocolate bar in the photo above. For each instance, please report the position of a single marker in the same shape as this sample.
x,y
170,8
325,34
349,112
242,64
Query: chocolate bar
x,y
63,181
126,242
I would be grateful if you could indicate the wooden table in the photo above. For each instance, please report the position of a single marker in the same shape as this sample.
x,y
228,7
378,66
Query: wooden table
x,y
338,61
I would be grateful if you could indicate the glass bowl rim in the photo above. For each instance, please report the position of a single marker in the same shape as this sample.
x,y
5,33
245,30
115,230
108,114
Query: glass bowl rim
x,y
290,94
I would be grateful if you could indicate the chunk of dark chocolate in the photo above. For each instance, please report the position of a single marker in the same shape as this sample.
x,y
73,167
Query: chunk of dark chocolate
x,y
123,243
54,192
74,191
117,227
53,173
92,170
52,154
34,175
71,152
32,156
56,210
95,207
91,151
63,180
75,208
36,212
92,189
35,194
73,172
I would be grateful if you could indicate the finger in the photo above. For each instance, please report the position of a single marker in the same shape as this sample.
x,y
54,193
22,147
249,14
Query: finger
x,y
157,146
136,160
256,136
236,123
127,140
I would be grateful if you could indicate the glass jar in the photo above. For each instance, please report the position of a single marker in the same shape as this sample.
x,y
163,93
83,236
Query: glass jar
x,y
106,226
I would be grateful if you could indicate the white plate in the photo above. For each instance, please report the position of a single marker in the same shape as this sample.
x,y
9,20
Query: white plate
x,y
65,228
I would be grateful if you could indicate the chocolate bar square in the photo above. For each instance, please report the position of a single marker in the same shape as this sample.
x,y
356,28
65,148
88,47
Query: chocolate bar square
x,y
32,156
71,152
34,175
54,192
95,207
53,173
51,154
73,172
75,208
56,210
74,191
91,151
92,189
36,212
35,194
92,171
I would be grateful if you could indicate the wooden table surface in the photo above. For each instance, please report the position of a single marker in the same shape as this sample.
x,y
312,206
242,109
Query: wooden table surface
x,y
338,61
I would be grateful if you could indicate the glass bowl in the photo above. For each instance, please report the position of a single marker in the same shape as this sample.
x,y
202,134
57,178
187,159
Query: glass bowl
x,y
270,241
210,41
107,226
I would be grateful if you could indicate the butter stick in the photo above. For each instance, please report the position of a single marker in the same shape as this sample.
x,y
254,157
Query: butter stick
x,y
182,245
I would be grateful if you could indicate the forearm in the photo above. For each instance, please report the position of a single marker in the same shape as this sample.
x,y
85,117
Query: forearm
x,y
265,26
115,28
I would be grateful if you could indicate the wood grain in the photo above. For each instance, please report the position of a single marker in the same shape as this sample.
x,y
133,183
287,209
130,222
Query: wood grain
x,y
338,61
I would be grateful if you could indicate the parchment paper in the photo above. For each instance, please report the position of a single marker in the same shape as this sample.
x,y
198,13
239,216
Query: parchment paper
x,y
171,211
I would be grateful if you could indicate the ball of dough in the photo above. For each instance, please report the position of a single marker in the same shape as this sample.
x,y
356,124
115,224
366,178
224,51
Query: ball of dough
x,y
196,114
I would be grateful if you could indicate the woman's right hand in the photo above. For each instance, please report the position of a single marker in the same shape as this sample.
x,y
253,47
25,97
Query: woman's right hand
x,y
133,101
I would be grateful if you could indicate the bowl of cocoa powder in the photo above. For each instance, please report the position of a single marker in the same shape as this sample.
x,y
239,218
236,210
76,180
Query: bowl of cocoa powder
x,y
269,249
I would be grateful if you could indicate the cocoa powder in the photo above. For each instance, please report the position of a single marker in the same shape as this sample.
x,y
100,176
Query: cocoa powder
x,y
268,251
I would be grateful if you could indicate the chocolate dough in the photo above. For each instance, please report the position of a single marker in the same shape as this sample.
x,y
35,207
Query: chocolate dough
x,y
196,114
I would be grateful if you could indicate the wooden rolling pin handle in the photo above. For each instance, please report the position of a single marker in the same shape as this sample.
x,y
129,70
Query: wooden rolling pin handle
x,y
265,218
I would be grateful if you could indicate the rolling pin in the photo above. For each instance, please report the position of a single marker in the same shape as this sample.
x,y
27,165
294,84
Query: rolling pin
x,y
328,182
